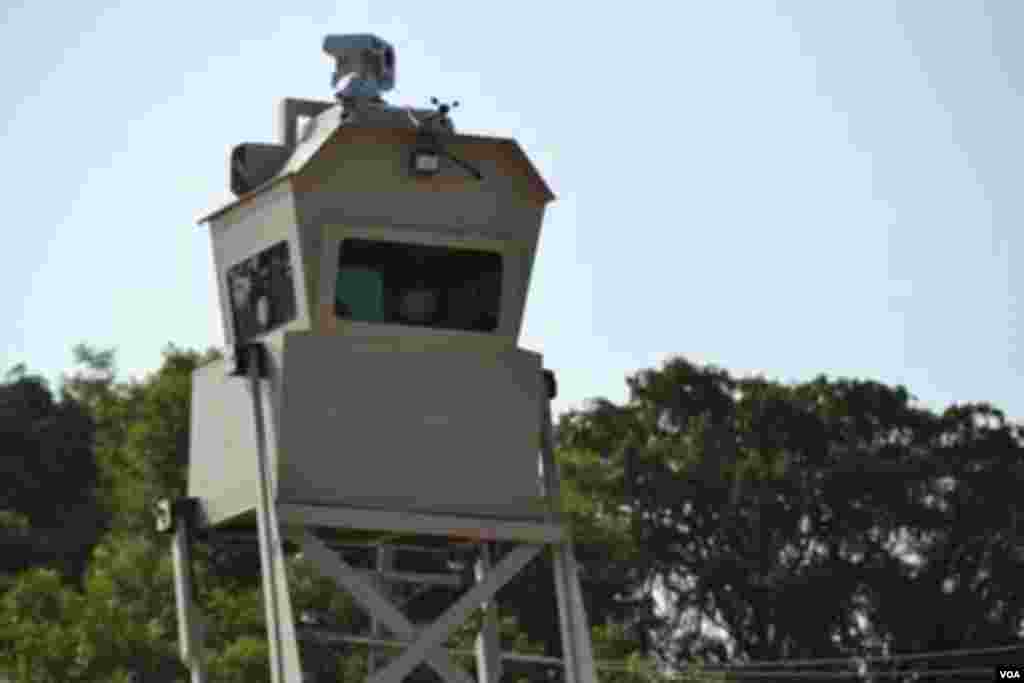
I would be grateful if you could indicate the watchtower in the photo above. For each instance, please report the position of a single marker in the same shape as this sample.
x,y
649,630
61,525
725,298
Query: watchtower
x,y
372,274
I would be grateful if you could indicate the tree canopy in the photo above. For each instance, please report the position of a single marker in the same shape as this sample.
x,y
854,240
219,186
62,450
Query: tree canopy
x,y
822,519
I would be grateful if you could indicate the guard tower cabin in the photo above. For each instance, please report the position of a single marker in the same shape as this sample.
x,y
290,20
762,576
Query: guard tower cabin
x,y
382,261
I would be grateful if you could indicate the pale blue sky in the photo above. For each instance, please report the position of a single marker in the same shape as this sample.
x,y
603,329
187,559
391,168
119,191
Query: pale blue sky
x,y
789,188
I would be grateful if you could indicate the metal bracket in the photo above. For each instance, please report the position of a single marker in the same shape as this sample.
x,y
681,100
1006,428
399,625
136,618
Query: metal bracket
x,y
550,384
239,359
167,512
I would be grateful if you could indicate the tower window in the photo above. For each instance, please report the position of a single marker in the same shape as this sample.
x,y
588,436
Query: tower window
x,y
418,285
262,291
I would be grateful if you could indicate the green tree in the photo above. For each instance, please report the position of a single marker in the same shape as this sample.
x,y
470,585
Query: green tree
x,y
142,429
122,622
746,497
38,619
49,514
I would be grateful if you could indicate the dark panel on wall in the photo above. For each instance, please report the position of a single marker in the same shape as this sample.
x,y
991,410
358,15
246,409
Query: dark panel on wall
x,y
262,292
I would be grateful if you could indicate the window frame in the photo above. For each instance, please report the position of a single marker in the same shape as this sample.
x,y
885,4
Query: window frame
x,y
334,235
296,296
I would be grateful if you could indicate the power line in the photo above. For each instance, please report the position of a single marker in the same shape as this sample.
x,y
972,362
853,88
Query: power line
x,y
907,657
745,670
783,675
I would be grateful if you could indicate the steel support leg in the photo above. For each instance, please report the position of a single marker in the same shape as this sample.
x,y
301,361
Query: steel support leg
x,y
572,615
574,626
190,637
385,560
488,641
285,666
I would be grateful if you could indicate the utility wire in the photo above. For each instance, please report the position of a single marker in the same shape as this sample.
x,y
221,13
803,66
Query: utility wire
x,y
783,675
327,635
825,661
755,669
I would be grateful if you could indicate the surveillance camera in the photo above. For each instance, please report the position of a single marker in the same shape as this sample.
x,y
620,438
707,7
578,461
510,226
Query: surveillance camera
x,y
368,59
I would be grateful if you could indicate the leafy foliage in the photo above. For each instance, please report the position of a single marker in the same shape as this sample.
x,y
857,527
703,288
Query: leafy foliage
x,y
48,514
749,497
38,643
141,430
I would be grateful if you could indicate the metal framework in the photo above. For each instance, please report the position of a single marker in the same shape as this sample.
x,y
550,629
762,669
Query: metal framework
x,y
421,643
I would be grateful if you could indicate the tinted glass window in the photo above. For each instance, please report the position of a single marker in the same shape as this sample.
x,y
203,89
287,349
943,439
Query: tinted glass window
x,y
413,284
262,292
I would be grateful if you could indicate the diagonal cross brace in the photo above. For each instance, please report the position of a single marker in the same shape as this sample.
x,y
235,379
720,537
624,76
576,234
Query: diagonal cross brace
x,y
434,635
371,599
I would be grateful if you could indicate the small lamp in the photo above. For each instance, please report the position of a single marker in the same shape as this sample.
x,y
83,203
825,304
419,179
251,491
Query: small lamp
x,y
426,161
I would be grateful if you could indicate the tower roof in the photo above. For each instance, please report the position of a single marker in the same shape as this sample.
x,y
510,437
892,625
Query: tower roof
x,y
328,133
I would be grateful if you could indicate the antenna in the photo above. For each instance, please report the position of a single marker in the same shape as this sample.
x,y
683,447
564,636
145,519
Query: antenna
x,y
429,148
439,121
369,61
